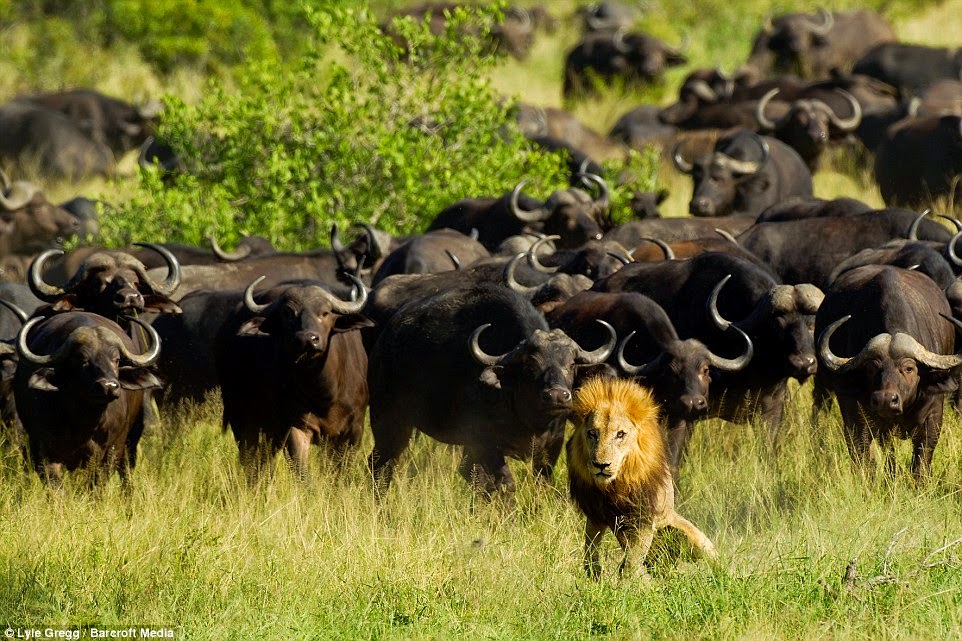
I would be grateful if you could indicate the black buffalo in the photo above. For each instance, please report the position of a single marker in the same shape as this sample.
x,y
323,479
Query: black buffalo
x,y
476,367
293,372
910,68
631,58
886,343
79,390
934,145
745,174
814,45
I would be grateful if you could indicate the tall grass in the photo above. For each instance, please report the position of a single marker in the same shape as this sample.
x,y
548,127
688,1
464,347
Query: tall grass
x,y
193,547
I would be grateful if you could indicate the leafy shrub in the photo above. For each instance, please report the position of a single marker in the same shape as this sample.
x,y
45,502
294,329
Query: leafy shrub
x,y
357,131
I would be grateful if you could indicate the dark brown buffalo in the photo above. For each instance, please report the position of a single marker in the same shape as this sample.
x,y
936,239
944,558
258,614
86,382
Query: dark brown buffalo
x,y
435,251
671,230
810,124
293,372
29,223
46,141
641,127
572,214
548,123
809,249
777,317
79,390
911,68
812,46
799,207
110,283
745,174
608,15
934,145
885,347
115,123
609,57
475,367
678,371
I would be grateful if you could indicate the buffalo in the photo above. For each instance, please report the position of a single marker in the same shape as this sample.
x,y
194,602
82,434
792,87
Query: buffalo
x,y
632,58
79,391
886,349
477,367
934,143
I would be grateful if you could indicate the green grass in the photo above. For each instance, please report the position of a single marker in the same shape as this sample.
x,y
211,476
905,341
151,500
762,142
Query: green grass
x,y
193,547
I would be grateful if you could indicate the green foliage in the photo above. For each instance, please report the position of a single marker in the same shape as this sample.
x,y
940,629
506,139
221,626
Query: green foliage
x,y
359,130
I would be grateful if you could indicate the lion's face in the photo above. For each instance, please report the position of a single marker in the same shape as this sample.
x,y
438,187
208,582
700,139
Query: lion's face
x,y
610,437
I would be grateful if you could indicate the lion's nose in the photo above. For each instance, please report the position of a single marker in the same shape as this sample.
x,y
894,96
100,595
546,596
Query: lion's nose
x,y
601,466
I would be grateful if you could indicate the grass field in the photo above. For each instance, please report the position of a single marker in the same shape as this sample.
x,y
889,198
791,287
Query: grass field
x,y
193,548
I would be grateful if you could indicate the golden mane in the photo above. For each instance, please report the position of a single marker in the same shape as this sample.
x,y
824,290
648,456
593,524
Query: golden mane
x,y
646,464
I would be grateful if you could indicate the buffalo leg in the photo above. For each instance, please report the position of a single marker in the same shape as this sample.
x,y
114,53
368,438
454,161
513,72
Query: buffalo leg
x,y
679,434
771,408
297,445
923,444
486,471
858,436
390,441
546,453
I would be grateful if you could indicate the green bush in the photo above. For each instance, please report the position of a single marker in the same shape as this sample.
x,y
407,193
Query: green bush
x,y
355,132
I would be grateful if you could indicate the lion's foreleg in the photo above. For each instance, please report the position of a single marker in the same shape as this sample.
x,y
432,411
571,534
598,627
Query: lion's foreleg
x,y
636,543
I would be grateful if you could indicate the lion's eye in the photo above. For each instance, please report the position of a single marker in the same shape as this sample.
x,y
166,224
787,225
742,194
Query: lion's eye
x,y
593,434
621,434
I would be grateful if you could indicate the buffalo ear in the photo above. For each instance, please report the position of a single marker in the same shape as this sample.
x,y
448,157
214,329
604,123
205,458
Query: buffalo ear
x,y
161,304
138,378
44,380
940,382
491,376
252,327
348,322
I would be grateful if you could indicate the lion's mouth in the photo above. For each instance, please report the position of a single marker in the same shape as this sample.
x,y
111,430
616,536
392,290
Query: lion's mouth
x,y
604,475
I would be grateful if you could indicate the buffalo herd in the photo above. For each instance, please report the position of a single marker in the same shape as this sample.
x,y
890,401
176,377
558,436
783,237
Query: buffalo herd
x,y
479,331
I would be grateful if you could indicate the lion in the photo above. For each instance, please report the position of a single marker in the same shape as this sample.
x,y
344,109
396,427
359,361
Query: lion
x,y
618,473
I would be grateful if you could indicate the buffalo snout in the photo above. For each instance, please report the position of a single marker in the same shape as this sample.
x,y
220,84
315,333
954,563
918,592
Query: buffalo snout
x,y
308,341
803,365
694,403
129,299
886,402
702,206
107,389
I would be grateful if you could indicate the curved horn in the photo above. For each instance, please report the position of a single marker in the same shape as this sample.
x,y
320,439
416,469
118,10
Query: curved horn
x,y
16,195
703,90
665,248
950,250
636,370
347,307
832,361
249,297
601,354
19,313
936,361
479,354
822,28
169,286
604,197
5,179
746,167
719,321
454,259
853,121
955,221
734,364
685,43
768,26
336,244
507,277
618,41
681,164
24,352
532,255
475,234
521,14
724,233
913,232
760,116
533,216
240,253
153,347
624,260
374,250
41,289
